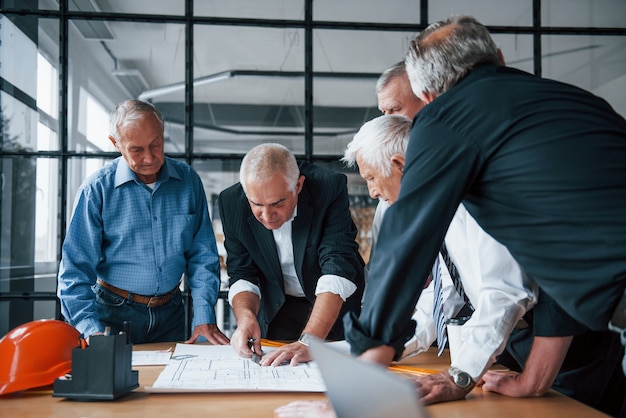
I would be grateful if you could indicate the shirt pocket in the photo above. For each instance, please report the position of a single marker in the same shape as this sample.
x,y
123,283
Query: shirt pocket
x,y
181,233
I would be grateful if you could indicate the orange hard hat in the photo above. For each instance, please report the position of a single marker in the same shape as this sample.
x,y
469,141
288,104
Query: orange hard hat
x,y
36,353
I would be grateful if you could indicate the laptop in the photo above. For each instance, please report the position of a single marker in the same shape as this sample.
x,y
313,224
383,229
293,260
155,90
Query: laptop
x,y
357,389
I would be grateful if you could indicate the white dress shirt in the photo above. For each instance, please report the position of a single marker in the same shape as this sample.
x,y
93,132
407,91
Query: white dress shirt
x,y
495,284
284,246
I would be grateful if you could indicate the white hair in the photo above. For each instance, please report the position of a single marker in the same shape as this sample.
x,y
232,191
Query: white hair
x,y
128,112
378,140
264,160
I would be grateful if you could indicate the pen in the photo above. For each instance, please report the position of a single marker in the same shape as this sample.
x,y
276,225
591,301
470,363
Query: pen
x,y
255,357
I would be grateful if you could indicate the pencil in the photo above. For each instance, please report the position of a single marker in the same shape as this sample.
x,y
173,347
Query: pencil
x,y
411,370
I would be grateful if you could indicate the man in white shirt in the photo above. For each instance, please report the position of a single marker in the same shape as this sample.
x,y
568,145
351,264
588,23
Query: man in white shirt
x,y
494,283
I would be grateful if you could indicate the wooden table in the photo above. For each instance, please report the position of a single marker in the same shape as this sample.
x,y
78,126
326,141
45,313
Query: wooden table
x,y
40,403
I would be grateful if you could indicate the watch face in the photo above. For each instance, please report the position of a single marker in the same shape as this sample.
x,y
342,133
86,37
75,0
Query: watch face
x,y
462,379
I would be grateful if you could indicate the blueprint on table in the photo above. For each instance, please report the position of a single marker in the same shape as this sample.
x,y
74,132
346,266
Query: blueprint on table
x,y
217,368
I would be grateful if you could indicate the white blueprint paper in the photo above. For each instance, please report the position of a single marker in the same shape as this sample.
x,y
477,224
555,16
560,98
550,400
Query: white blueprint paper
x,y
151,358
217,368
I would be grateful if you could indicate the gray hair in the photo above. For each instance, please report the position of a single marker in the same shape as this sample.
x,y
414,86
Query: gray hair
x,y
446,51
378,140
264,160
128,112
396,70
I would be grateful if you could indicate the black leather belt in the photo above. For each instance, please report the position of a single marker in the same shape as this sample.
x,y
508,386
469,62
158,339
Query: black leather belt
x,y
149,301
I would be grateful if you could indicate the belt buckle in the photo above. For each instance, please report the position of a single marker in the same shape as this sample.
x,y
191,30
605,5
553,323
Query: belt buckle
x,y
156,301
152,302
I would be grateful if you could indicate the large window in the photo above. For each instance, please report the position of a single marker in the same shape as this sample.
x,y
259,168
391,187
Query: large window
x,y
228,75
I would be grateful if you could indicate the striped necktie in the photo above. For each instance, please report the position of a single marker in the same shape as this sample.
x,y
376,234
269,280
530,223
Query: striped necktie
x,y
438,315
454,275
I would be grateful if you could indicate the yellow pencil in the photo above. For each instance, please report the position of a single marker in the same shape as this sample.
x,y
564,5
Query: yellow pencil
x,y
272,343
401,368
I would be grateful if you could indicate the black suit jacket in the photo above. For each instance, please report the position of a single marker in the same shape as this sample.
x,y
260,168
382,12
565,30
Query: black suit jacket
x,y
323,235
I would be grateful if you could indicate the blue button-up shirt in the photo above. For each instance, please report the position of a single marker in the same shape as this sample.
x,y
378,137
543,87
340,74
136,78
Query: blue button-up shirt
x,y
138,239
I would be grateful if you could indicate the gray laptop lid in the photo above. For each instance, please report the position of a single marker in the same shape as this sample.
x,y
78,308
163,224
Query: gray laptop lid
x,y
357,389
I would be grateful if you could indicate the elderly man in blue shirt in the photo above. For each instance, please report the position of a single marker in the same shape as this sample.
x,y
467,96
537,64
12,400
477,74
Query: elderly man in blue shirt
x,y
139,223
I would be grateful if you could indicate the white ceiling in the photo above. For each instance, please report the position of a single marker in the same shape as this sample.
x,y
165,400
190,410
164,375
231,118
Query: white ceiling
x,y
156,53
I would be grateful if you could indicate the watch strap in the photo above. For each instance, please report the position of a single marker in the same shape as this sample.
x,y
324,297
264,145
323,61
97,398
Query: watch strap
x,y
305,339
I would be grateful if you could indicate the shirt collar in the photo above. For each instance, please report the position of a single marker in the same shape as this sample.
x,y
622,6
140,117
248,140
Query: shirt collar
x,y
123,173
294,214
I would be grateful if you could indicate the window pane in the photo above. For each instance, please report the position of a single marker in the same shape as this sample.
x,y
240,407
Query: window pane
x,y
594,63
47,213
19,125
591,13
19,311
267,9
18,104
47,87
517,50
30,96
30,5
170,7
78,169
488,12
117,70
18,54
389,11
249,89
18,208
342,103
97,124
216,176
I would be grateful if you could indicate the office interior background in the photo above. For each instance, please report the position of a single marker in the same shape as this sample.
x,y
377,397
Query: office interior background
x,y
229,75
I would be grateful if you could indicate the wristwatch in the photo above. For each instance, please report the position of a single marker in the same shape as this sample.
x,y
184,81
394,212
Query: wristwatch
x,y
461,379
305,339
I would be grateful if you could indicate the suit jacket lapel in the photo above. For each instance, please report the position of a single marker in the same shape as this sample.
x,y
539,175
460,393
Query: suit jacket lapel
x,y
300,231
267,246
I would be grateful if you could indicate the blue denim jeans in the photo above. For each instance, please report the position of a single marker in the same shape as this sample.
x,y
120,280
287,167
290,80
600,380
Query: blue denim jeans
x,y
148,325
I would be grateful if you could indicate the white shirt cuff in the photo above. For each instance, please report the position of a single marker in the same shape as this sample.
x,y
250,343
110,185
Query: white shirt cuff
x,y
242,286
335,284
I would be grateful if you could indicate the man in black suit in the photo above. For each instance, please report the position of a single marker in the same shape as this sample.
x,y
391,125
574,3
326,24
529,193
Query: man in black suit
x,y
292,258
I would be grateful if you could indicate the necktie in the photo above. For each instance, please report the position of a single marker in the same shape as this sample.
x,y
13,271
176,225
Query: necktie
x,y
454,275
438,315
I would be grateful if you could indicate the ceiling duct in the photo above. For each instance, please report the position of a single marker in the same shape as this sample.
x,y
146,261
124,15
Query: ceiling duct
x,y
225,75
132,80
90,29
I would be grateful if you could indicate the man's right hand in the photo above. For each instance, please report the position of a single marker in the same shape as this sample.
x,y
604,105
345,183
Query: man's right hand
x,y
246,331
438,387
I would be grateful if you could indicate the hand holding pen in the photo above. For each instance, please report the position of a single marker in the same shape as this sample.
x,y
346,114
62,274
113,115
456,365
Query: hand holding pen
x,y
255,348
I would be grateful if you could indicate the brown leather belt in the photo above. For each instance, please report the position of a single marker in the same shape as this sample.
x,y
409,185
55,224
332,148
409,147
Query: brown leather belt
x,y
149,301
